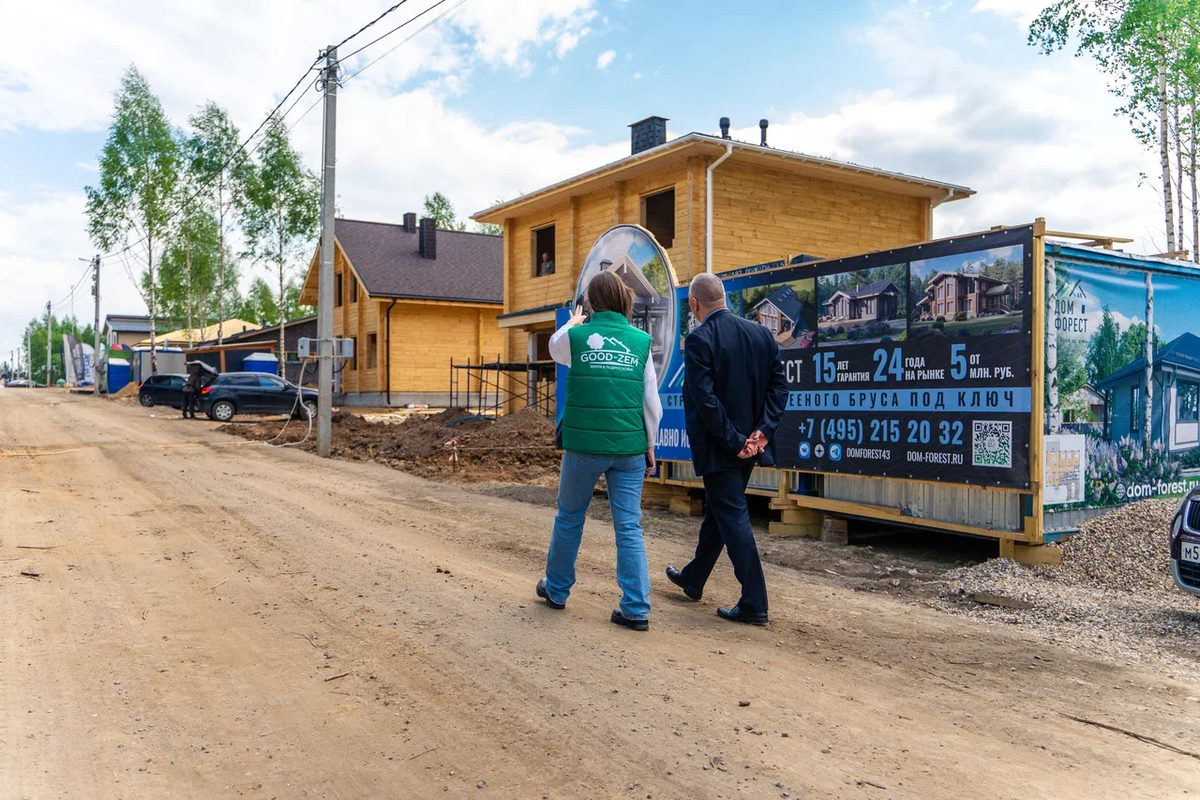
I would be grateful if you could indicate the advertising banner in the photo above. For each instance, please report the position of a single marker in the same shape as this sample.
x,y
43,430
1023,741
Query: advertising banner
x,y
910,363
78,362
1106,396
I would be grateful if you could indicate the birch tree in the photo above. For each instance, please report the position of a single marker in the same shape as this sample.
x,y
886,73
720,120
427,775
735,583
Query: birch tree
x,y
134,203
213,154
281,211
1145,47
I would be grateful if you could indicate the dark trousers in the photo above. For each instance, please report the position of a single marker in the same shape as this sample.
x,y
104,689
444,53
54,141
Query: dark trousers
x,y
727,525
190,402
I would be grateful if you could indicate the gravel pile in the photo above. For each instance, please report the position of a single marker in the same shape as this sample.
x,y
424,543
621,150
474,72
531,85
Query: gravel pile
x,y
1124,551
1111,597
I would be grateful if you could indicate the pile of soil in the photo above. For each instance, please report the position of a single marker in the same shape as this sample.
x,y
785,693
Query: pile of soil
x,y
517,448
128,390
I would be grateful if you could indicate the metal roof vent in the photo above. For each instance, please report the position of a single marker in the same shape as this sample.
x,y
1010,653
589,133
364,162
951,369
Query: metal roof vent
x,y
724,127
762,124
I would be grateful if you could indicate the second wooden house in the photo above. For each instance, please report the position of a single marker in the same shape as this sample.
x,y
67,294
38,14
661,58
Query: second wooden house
x,y
412,297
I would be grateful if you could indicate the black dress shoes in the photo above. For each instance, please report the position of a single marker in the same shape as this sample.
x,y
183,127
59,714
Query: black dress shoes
x,y
542,593
633,624
676,577
736,614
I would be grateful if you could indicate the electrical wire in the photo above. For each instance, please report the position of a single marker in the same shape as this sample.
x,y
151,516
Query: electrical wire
x,y
369,24
407,22
71,294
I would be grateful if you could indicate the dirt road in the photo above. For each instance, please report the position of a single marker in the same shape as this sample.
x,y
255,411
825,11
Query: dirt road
x,y
219,619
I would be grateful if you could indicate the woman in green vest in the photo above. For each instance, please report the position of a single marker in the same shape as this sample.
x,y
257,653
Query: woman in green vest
x,y
608,427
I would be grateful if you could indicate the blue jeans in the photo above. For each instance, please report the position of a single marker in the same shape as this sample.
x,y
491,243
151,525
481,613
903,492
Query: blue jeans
x,y
624,475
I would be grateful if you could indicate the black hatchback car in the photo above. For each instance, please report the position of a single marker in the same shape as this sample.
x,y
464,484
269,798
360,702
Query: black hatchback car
x,y
164,389
235,393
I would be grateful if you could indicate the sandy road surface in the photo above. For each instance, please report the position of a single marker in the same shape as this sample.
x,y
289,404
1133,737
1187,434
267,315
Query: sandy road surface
x,y
187,629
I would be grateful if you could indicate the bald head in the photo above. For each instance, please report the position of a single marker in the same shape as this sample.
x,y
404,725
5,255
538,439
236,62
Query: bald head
x,y
707,290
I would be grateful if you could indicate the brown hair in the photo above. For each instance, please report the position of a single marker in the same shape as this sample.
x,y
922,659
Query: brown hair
x,y
607,292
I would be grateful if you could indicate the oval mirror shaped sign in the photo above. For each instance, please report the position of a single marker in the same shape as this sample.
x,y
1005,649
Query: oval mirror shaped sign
x,y
635,257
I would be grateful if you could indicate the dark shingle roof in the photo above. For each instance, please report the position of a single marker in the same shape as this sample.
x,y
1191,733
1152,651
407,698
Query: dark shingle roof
x,y
871,288
1182,351
784,298
469,266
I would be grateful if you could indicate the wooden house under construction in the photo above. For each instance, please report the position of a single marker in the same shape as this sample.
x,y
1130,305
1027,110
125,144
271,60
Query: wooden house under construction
x,y
713,203
412,297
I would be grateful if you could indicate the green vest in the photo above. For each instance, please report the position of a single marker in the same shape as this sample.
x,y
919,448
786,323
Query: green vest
x,y
604,387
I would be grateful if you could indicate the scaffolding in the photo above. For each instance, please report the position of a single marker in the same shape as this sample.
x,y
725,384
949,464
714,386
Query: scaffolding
x,y
492,388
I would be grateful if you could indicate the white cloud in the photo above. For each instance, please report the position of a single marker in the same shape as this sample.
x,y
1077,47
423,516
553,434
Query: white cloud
x,y
90,166
393,140
637,76
947,117
1022,11
605,58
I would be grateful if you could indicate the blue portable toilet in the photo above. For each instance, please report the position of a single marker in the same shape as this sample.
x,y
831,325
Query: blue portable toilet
x,y
118,374
261,362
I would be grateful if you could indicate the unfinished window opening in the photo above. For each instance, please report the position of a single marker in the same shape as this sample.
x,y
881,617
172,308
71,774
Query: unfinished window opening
x,y
543,251
658,216
337,291
372,348
353,290
352,362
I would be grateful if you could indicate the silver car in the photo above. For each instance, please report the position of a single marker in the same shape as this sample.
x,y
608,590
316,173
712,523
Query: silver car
x,y
1185,544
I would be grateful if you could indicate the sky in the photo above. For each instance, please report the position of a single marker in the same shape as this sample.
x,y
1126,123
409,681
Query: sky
x,y
501,97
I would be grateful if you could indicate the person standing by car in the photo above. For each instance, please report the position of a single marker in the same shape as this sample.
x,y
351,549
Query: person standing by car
x,y
191,393
608,428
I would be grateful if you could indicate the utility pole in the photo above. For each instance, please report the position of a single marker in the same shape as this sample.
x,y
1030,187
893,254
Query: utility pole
x,y
328,84
28,356
96,328
49,333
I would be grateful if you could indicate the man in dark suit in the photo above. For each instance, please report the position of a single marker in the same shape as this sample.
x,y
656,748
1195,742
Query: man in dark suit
x,y
733,395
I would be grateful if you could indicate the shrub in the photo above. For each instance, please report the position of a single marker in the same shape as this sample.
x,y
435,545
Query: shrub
x,y
940,325
961,316
940,318
854,334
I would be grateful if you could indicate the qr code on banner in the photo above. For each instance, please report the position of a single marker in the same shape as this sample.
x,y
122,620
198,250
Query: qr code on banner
x,y
991,444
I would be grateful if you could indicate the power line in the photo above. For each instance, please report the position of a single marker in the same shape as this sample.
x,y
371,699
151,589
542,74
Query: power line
x,y
415,33
75,288
369,24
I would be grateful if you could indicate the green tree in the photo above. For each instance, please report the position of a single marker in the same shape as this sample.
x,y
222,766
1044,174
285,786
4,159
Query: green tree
x,y
438,206
281,215
213,155
36,330
1149,51
1104,350
139,174
1133,342
187,274
259,303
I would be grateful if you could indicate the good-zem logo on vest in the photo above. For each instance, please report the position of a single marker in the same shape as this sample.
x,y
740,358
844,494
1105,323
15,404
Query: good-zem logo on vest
x,y
608,352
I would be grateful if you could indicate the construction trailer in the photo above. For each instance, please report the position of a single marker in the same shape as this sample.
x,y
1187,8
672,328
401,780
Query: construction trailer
x,y
412,297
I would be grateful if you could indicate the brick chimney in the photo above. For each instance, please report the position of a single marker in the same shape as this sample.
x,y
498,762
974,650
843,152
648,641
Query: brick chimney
x,y
648,133
410,222
427,238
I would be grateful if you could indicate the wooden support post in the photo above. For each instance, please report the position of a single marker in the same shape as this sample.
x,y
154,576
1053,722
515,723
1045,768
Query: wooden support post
x,y
1036,555
1008,549
796,521
835,531
688,504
